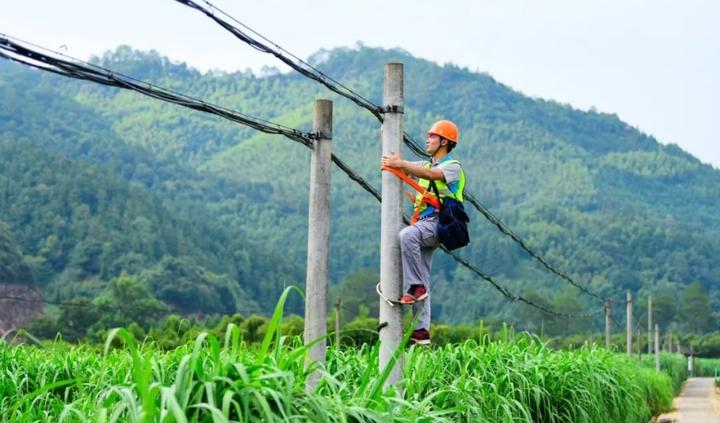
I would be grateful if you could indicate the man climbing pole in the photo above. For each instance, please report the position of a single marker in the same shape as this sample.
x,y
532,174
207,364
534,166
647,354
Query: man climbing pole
x,y
442,175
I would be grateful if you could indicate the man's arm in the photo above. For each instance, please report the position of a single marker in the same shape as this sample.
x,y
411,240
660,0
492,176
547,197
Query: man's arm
x,y
413,169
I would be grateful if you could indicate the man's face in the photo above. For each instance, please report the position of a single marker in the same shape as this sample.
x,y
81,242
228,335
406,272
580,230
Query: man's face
x,y
432,143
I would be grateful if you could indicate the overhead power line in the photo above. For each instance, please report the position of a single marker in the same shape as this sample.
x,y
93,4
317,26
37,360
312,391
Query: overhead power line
x,y
13,49
509,232
315,74
294,62
520,298
281,54
60,64
160,307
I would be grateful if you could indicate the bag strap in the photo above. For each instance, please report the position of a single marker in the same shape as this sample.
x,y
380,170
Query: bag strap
x,y
435,190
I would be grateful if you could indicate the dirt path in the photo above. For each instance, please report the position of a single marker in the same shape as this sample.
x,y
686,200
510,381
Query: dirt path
x,y
697,403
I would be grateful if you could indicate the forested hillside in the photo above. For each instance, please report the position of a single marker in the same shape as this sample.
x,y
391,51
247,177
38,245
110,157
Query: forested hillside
x,y
13,269
212,216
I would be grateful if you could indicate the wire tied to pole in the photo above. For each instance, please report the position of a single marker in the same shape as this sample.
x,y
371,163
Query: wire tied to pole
x,y
391,109
391,303
319,136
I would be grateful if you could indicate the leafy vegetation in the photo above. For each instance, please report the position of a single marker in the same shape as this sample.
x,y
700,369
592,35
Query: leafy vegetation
x,y
13,268
512,379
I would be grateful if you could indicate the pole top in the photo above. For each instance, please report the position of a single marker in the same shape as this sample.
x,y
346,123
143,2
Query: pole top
x,y
322,119
393,90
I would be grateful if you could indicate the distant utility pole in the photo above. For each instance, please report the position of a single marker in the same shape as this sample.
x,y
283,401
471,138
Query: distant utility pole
x,y
691,361
337,323
650,325
391,222
670,349
608,316
657,348
629,321
318,239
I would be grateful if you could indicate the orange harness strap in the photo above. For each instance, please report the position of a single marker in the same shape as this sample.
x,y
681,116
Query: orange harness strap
x,y
427,196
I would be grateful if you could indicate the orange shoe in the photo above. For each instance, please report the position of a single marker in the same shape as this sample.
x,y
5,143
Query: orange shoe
x,y
416,293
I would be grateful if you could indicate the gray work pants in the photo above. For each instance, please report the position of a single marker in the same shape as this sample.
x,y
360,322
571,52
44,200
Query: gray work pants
x,y
417,244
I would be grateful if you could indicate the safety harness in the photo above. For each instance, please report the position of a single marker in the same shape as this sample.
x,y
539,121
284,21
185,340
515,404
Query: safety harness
x,y
427,196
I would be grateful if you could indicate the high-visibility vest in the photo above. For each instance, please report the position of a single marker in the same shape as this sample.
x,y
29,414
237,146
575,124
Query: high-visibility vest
x,y
455,190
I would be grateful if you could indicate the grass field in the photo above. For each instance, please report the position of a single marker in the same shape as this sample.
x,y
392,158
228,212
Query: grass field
x,y
513,379
219,381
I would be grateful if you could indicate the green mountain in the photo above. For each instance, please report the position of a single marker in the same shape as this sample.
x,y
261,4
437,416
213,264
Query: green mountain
x,y
85,207
13,268
99,181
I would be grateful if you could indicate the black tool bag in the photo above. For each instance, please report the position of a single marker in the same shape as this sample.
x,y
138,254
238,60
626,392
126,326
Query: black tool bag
x,y
452,222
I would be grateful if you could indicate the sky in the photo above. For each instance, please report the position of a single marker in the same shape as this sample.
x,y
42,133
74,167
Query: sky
x,y
653,63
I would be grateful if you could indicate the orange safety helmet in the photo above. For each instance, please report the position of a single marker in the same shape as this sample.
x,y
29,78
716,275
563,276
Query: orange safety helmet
x,y
445,129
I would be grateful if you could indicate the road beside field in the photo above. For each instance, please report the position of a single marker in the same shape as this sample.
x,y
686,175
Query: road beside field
x,y
697,403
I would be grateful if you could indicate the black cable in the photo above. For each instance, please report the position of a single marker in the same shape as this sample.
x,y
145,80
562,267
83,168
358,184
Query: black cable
x,y
12,50
308,71
356,177
505,230
618,325
159,308
311,73
77,69
520,298
318,71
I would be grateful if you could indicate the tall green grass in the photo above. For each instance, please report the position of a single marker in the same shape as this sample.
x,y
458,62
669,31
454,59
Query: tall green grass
x,y
514,379
674,365
708,367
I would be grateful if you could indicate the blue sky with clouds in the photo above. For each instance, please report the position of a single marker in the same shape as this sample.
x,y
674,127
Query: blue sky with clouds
x,y
654,63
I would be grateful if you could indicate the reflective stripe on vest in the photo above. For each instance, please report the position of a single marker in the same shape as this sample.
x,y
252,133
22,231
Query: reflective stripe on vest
x,y
443,188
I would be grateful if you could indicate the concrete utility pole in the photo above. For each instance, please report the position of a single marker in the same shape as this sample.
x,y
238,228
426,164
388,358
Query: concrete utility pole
x,y
629,323
657,348
337,323
608,310
691,362
391,222
318,238
650,326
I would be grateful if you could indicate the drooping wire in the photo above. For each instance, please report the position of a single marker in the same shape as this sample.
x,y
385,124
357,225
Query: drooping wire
x,y
316,74
297,64
160,307
510,233
335,86
12,49
277,51
73,68
513,297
